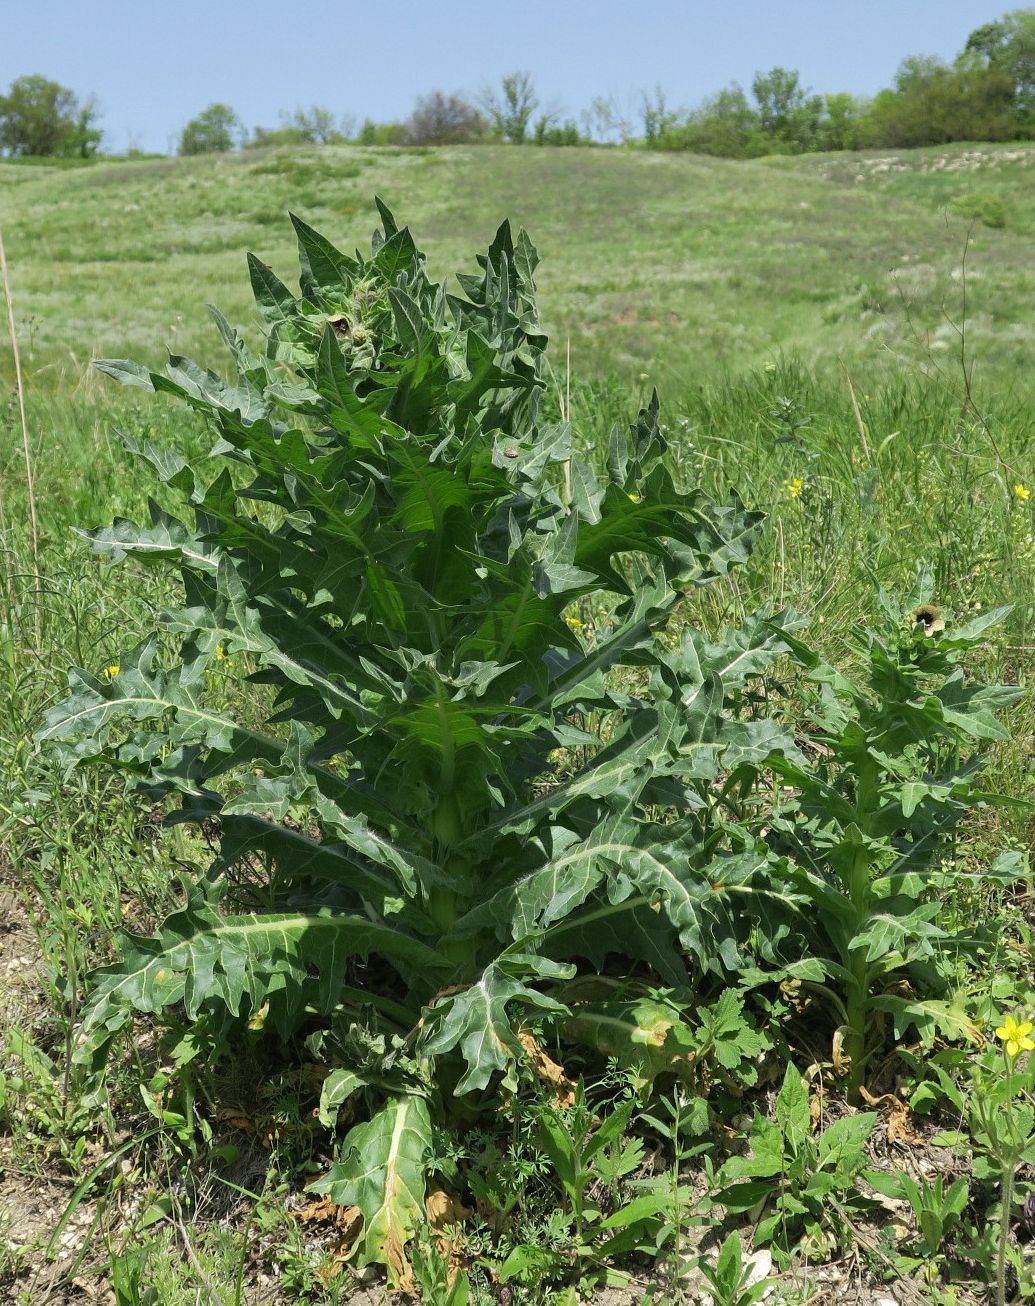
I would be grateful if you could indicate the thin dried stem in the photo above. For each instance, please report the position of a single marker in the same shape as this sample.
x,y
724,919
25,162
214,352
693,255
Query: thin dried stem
x,y
567,417
860,425
20,391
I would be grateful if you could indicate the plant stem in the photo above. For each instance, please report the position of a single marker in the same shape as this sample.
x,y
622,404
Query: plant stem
x,y
677,1214
443,901
1009,1173
859,892
857,1006
858,985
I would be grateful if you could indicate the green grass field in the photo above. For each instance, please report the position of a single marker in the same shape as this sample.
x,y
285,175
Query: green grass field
x,y
827,334
685,267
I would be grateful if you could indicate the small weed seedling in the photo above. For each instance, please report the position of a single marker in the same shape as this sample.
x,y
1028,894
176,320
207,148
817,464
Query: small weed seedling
x,y
804,1180
938,1211
589,1158
730,1279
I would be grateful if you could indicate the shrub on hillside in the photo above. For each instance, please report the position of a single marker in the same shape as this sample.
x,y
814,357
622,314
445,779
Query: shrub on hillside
x,y
440,119
216,130
981,206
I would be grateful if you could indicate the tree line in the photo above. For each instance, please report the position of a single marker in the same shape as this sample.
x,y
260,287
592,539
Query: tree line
x,y
507,113
986,94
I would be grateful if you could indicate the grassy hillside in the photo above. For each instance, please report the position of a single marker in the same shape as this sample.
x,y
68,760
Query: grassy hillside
x,y
938,179
739,289
680,266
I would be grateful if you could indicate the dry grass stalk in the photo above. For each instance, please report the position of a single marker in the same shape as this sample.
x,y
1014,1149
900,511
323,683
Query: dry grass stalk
x,y
20,391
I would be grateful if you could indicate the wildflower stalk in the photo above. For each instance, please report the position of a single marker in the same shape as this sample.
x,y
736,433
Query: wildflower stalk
x,y
1000,1127
1009,1176
860,893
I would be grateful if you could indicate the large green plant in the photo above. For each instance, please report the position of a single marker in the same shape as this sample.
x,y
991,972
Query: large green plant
x,y
392,548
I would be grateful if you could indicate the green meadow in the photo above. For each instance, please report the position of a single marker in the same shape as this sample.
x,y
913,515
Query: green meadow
x,y
688,268
848,340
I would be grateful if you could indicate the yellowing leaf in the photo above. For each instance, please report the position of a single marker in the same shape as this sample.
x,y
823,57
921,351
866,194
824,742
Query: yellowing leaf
x,y
382,1172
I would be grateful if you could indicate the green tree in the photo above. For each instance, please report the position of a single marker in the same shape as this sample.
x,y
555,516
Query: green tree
x,y
264,138
44,118
787,113
510,109
318,126
725,125
315,126
933,104
779,96
550,131
605,122
216,130
658,119
839,129
381,133
1008,45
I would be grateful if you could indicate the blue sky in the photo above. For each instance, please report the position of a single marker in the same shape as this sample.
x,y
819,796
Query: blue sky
x,y
153,66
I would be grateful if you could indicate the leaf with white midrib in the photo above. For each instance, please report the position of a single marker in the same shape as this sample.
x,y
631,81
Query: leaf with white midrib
x,y
200,957
550,891
477,1020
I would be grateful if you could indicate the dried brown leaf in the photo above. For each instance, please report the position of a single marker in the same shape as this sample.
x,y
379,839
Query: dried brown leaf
x,y
235,1117
813,1077
896,1115
840,1059
443,1210
348,1219
399,1270
346,1224
547,1070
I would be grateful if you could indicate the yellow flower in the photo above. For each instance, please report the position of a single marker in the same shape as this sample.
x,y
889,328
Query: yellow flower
x,y
794,487
112,671
221,654
577,625
1022,492
634,498
1014,1035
